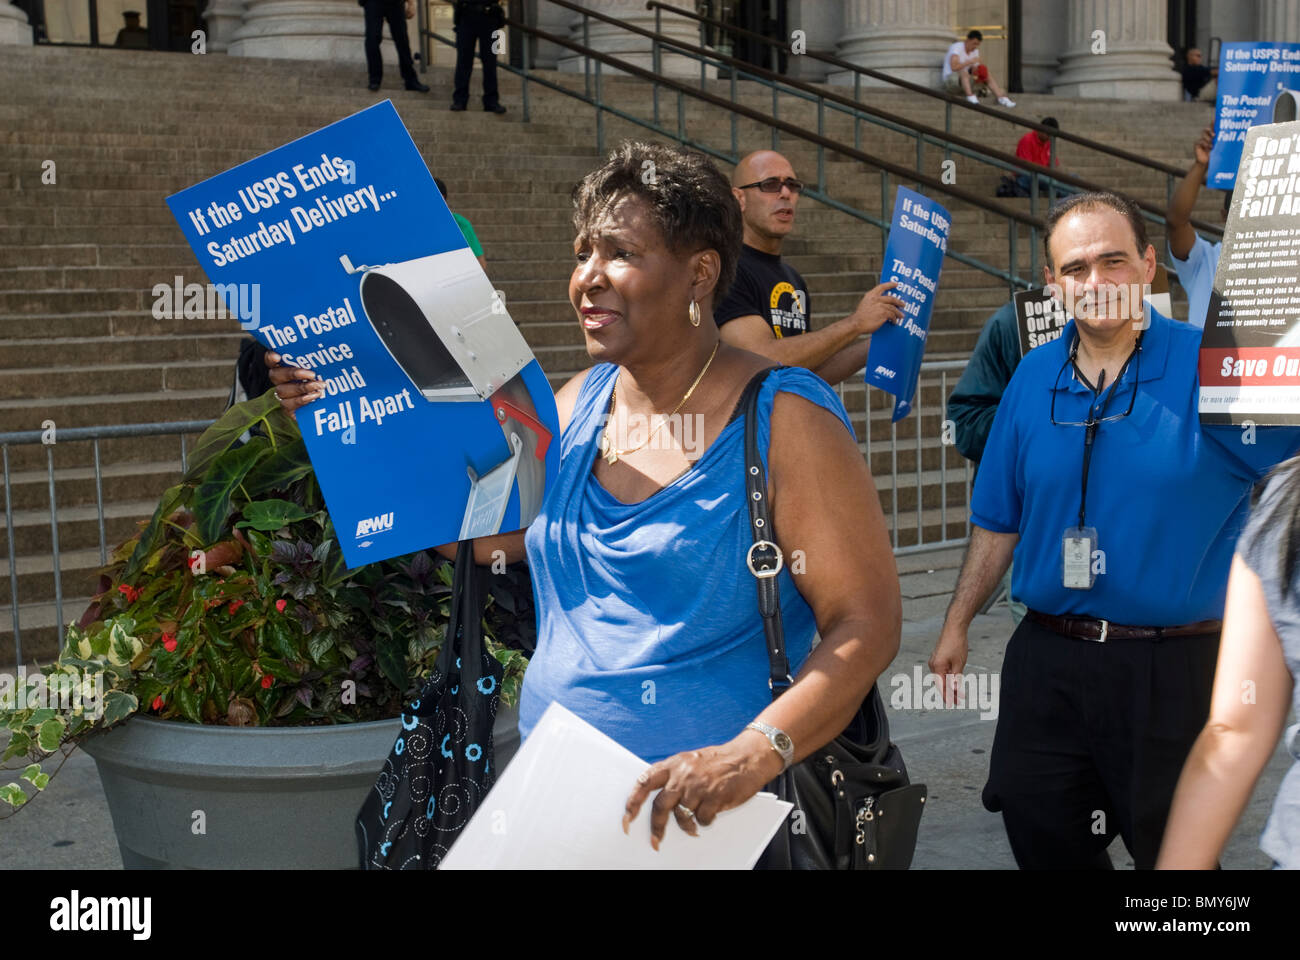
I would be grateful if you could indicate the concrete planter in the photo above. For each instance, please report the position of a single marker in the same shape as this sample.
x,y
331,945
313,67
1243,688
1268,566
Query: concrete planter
x,y
265,797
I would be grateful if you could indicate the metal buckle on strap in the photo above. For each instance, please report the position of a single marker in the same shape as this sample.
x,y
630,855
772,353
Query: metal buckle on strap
x,y
764,573
1105,629
786,685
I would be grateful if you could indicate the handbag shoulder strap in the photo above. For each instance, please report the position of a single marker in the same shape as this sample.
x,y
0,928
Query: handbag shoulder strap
x,y
764,557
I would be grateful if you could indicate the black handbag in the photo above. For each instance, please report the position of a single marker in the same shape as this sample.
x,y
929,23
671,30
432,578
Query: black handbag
x,y
441,765
854,806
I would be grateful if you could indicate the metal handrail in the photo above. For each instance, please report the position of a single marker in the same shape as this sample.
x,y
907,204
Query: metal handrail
x,y
64,435
1013,217
901,124
951,100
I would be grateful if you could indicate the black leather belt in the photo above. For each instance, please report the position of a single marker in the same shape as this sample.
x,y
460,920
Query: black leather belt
x,y
1085,628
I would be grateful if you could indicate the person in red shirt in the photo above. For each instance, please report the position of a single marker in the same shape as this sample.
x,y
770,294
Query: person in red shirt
x,y
1036,147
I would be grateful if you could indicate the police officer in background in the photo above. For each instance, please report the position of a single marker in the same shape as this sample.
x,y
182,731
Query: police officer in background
x,y
396,12
1122,510
475,21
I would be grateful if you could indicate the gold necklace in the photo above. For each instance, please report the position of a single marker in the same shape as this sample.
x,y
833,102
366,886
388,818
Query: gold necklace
x,y
607,449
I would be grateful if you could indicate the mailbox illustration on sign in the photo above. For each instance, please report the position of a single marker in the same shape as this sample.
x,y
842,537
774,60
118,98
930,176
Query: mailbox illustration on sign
x,y
450,334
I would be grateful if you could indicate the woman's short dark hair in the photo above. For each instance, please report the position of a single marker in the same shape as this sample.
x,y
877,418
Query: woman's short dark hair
x,y
1092,201
690,198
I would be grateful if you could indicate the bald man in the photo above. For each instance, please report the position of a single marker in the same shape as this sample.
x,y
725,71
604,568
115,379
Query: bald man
x,y
768,310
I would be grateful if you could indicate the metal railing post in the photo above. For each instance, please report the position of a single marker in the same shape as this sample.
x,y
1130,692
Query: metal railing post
x,y
54,541
920,456
600,112
776,115
857,114
586,60
947,128
13,560
821,149
943,454
524,83
656,59
99,506
735,141
1011,269
920,153
423,36
681,117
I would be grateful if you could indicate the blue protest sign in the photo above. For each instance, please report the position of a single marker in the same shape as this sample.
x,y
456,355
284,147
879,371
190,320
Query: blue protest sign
x,y
341,255
1252,77
918,240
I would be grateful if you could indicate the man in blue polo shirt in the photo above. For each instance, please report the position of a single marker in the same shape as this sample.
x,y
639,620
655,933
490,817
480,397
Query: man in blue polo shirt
x,y
1122,511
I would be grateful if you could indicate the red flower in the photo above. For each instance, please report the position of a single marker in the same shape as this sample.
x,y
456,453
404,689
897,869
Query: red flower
x,y
281,604
129,592
267,680
157,702
169,642
234,605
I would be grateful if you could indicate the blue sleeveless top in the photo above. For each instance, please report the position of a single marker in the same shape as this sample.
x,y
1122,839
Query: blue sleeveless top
x,y
647,617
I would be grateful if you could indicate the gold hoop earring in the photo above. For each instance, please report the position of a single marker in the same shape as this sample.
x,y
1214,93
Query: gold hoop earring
x,y
694,313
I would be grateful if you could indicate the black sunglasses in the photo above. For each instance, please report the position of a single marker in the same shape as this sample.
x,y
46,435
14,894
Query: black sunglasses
x,y
774,184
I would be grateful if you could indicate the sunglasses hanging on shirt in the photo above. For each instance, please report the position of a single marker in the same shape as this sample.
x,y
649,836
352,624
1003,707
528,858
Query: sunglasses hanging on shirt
x,y
1078,543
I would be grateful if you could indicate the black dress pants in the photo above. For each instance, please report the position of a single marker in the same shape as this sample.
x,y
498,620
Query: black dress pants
x,y
475,28
394,11
1091,740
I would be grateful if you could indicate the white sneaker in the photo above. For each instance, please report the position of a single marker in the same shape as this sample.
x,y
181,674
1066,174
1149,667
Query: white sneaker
x,y
972,99
1006,101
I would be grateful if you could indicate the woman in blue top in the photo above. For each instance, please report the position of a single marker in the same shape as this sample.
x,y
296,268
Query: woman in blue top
x,y
648,624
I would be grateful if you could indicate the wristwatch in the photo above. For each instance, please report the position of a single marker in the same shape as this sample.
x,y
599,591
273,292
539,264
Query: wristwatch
x,y
779,741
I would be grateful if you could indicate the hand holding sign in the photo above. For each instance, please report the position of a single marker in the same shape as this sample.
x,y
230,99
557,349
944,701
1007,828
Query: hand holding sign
x,y
876,308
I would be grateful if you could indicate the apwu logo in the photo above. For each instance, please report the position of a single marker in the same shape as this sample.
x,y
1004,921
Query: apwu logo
x,y
370,525
884,372
75,913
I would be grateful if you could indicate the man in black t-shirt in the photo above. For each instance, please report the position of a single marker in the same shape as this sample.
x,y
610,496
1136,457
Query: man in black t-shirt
x,y
768,310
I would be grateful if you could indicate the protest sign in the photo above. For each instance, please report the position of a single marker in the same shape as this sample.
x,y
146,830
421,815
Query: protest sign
x,y
918,240
1250,350
1252,79
437,423
1041,313
1040,316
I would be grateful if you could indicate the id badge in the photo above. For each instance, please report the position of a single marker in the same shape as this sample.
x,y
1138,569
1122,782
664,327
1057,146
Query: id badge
x,y
1077,546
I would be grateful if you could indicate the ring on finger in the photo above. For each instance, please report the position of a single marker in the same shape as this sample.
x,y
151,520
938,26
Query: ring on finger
x,y
683,808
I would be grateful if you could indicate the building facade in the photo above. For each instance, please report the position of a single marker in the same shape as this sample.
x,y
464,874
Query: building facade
x,y
1079,48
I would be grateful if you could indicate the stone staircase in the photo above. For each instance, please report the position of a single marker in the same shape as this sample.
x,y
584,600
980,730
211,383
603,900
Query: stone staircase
x,y
79,257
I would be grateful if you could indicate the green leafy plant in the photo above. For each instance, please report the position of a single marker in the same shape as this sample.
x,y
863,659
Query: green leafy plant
x,y
232,605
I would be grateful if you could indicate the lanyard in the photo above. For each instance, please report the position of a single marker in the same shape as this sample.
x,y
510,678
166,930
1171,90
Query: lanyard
x,y
1090,426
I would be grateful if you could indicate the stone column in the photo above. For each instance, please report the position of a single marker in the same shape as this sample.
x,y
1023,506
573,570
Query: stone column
x,y
1136,63
14,28
1041,45
553,20
306,30
223,18
905,40
822,24
1279,21
636,50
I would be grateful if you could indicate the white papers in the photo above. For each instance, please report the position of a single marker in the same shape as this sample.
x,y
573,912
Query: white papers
x,y
559,804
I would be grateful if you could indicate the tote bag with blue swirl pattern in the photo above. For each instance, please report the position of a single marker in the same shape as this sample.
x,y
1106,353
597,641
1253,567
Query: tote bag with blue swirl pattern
x,y
441,766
